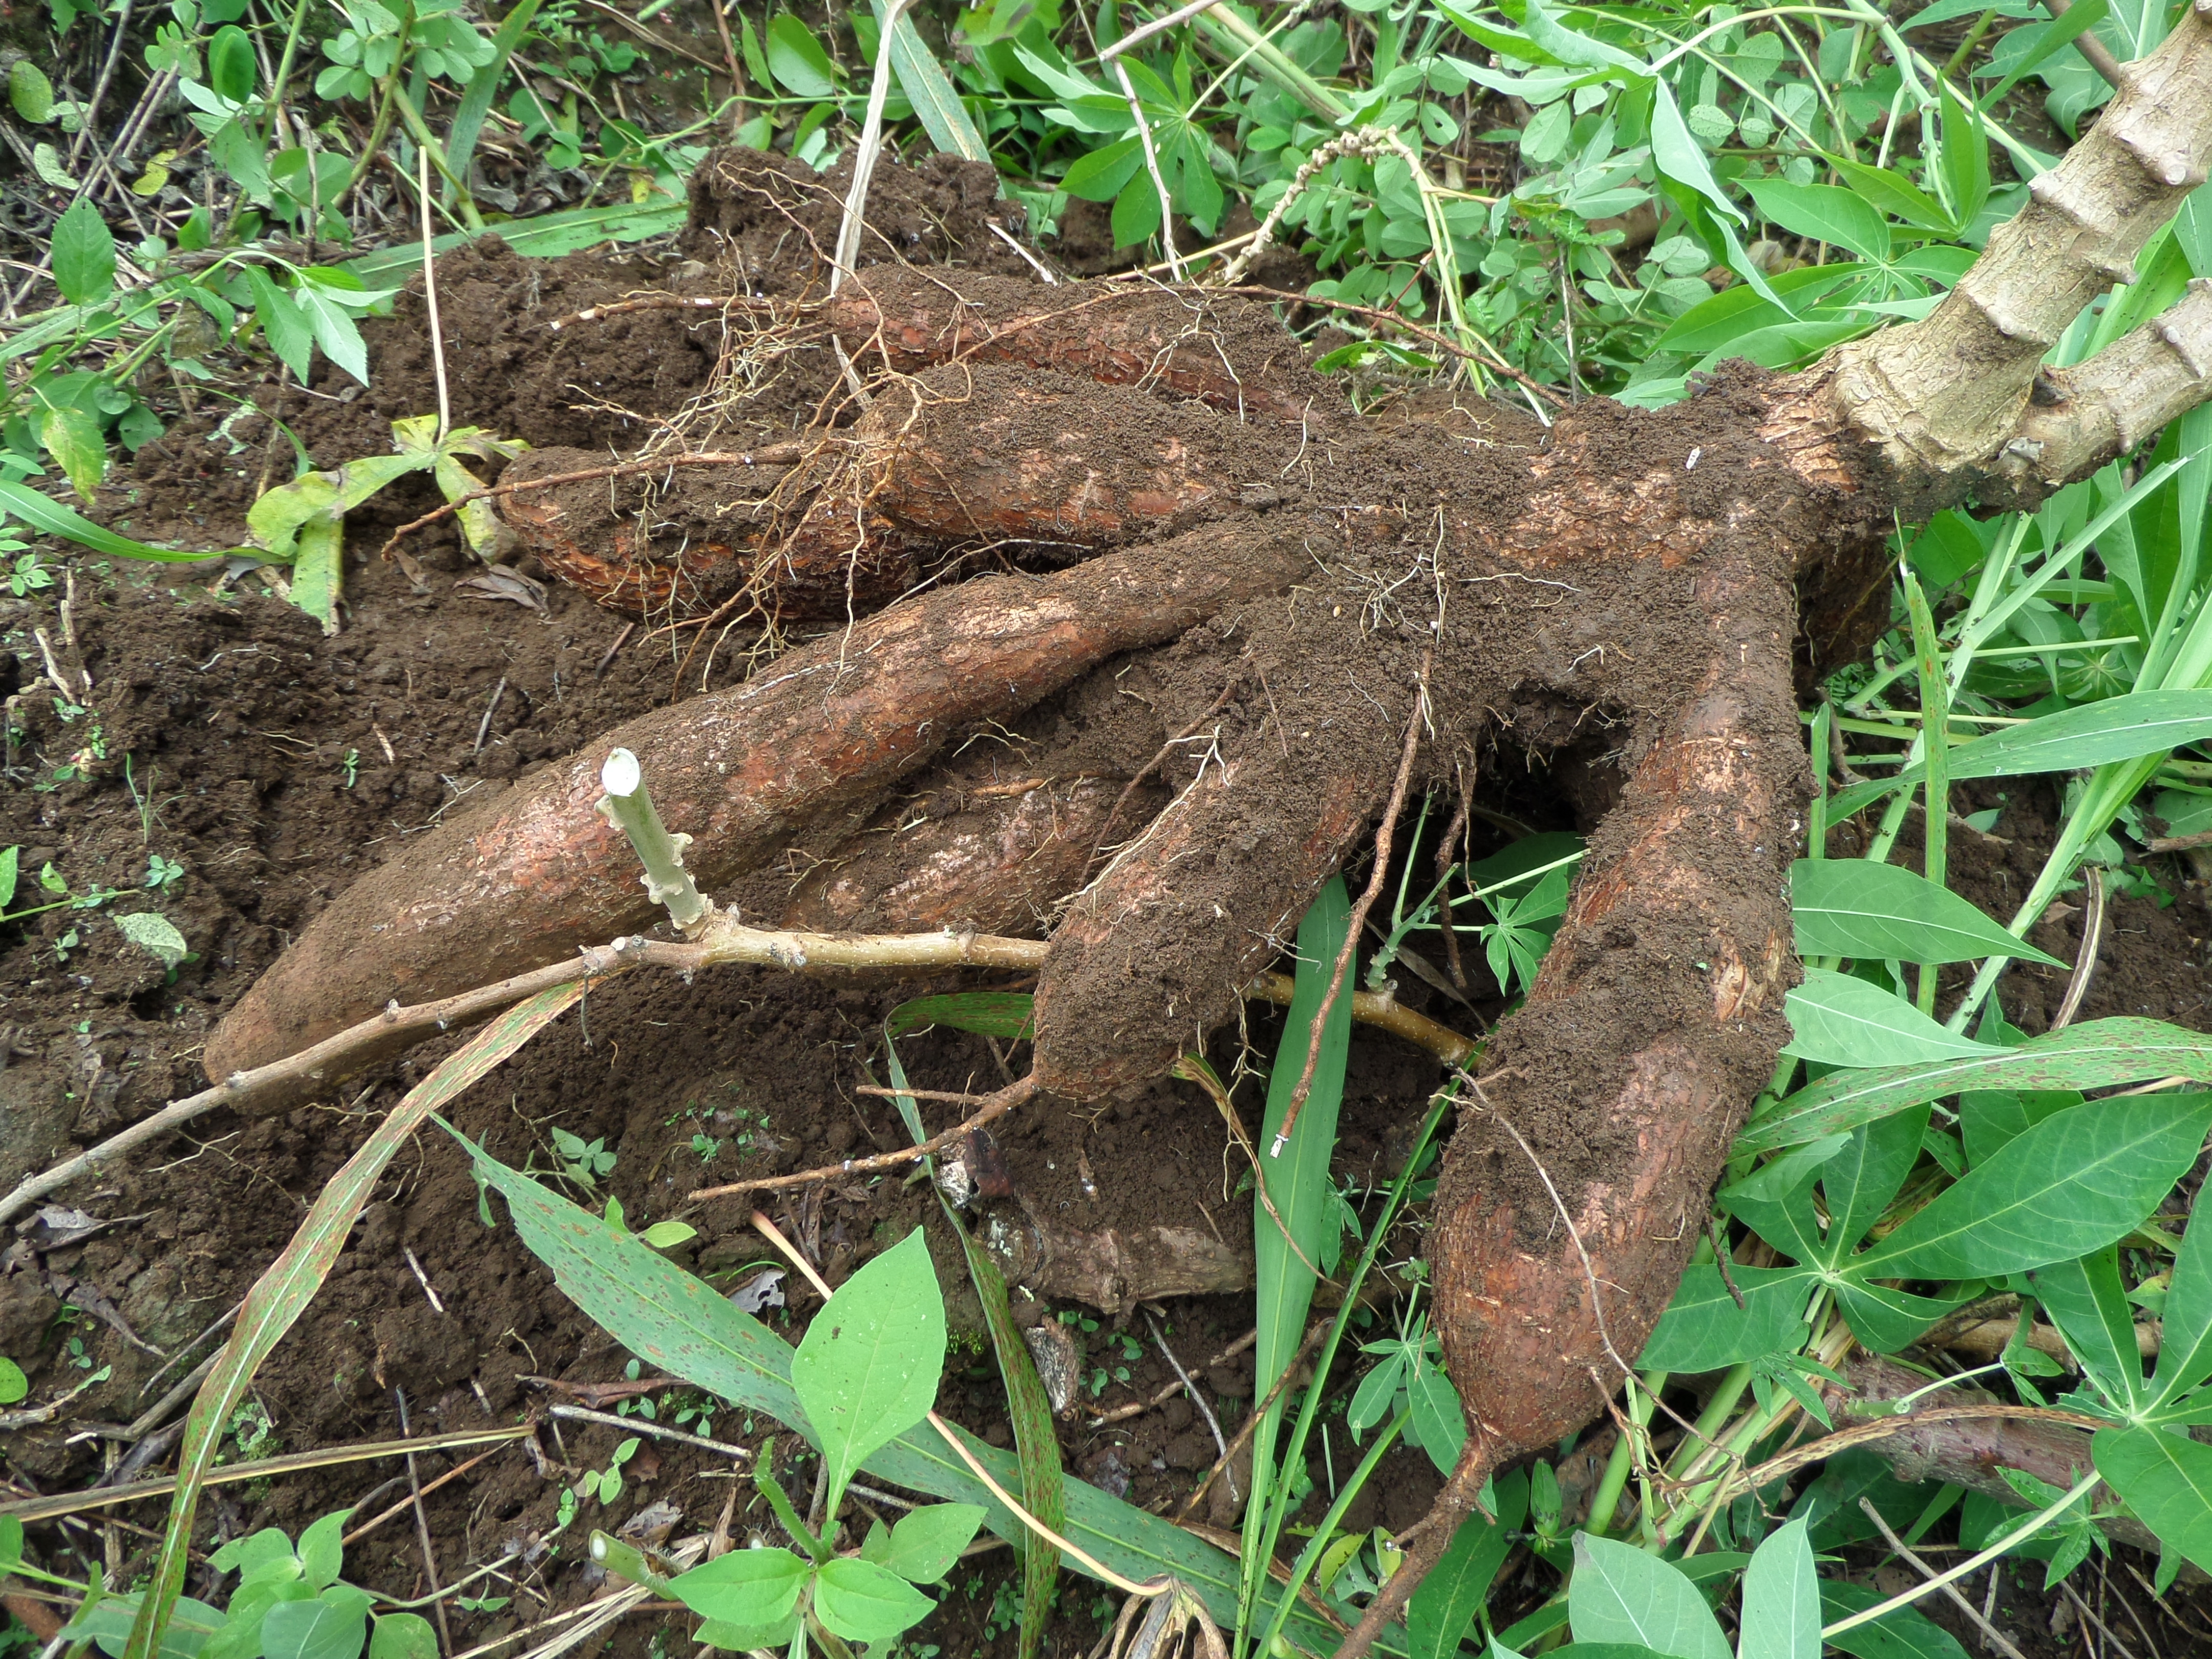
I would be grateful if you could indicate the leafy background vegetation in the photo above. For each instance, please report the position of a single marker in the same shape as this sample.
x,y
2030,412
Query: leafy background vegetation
x,y
1594,200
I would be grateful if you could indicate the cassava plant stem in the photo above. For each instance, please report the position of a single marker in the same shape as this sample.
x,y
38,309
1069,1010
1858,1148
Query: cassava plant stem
x,y
629,806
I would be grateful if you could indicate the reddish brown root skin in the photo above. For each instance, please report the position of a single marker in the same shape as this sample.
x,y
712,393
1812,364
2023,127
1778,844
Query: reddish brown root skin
x,y
531,875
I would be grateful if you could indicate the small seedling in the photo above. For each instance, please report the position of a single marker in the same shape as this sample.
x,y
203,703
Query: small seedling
x,y
162,873
14,1385
351,766
583,1161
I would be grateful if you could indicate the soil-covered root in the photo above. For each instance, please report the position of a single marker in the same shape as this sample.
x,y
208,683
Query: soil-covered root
x,y
994,460
528,877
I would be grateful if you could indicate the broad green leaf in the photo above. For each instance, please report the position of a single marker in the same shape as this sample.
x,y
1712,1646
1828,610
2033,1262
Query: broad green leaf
x,y
993,1013
1965,154
282,323
157,936
1823,213
334,331
73,437
1988,1118
925,1543
1881,912
1711,325
1676,155
1620,1593
2074,1183
1906,1633
232,72
316,1629
744,1587
403,1636
322,1552
672,1319
2167,1479
2184,1355
318,568
2074,739
2098,1053
108,1623
867,1369
862,1602
83,254
1841,1021
11,1529
11,862
1703,1330
2089,1303
1782,1599
1443,1611
1863,1178
797,61
1439,1422
278,518
29,93
1890,192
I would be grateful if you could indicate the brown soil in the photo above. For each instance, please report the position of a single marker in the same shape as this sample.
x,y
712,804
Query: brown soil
x,y
277,769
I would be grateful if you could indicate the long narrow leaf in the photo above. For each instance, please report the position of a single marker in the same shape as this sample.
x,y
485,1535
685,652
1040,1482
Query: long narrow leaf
x,y
2098,1053
43,513
281,1294
936,104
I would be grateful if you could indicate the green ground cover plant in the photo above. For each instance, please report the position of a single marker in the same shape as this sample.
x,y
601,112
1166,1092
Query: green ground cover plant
x,y
1470,176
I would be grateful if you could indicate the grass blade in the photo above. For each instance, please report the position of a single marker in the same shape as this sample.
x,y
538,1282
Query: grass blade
x,y
1297,1183
281,1294
936,104
1035,1441
43,514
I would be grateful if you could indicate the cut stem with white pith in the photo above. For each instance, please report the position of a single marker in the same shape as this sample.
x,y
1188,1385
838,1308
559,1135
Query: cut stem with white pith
x,y
629,806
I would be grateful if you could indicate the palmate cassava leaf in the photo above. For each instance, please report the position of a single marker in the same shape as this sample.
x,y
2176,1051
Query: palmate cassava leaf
x,y
673,1320
1879,912
2096,1054
1621,1593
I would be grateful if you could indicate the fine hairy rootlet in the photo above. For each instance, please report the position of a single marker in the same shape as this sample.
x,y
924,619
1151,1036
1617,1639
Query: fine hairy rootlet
x,y
1159,480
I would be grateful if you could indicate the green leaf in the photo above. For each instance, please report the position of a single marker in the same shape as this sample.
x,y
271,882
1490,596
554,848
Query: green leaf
x,y
43,514
1734,313
1439,1422
2074,1183
108,1621
862,1602
334,331
1881,912
29,93
1823,213
2184,1355
278,517
1297,1183
797,61
866,1369
1100,174
1676,155
1703,1330
936,104
672,1319
11,1529
1890,192
993,1013
11,863
83,254
2098,1053
1620,1593
281,324
2167,1479
1905,1633
2088,1301
1443,1611
928,1540
319,568
1782,1598
1964,156
157,936
2074,739
322,1628
322,1551
403,1636
743,1587
1841,1021
232,72
74,437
